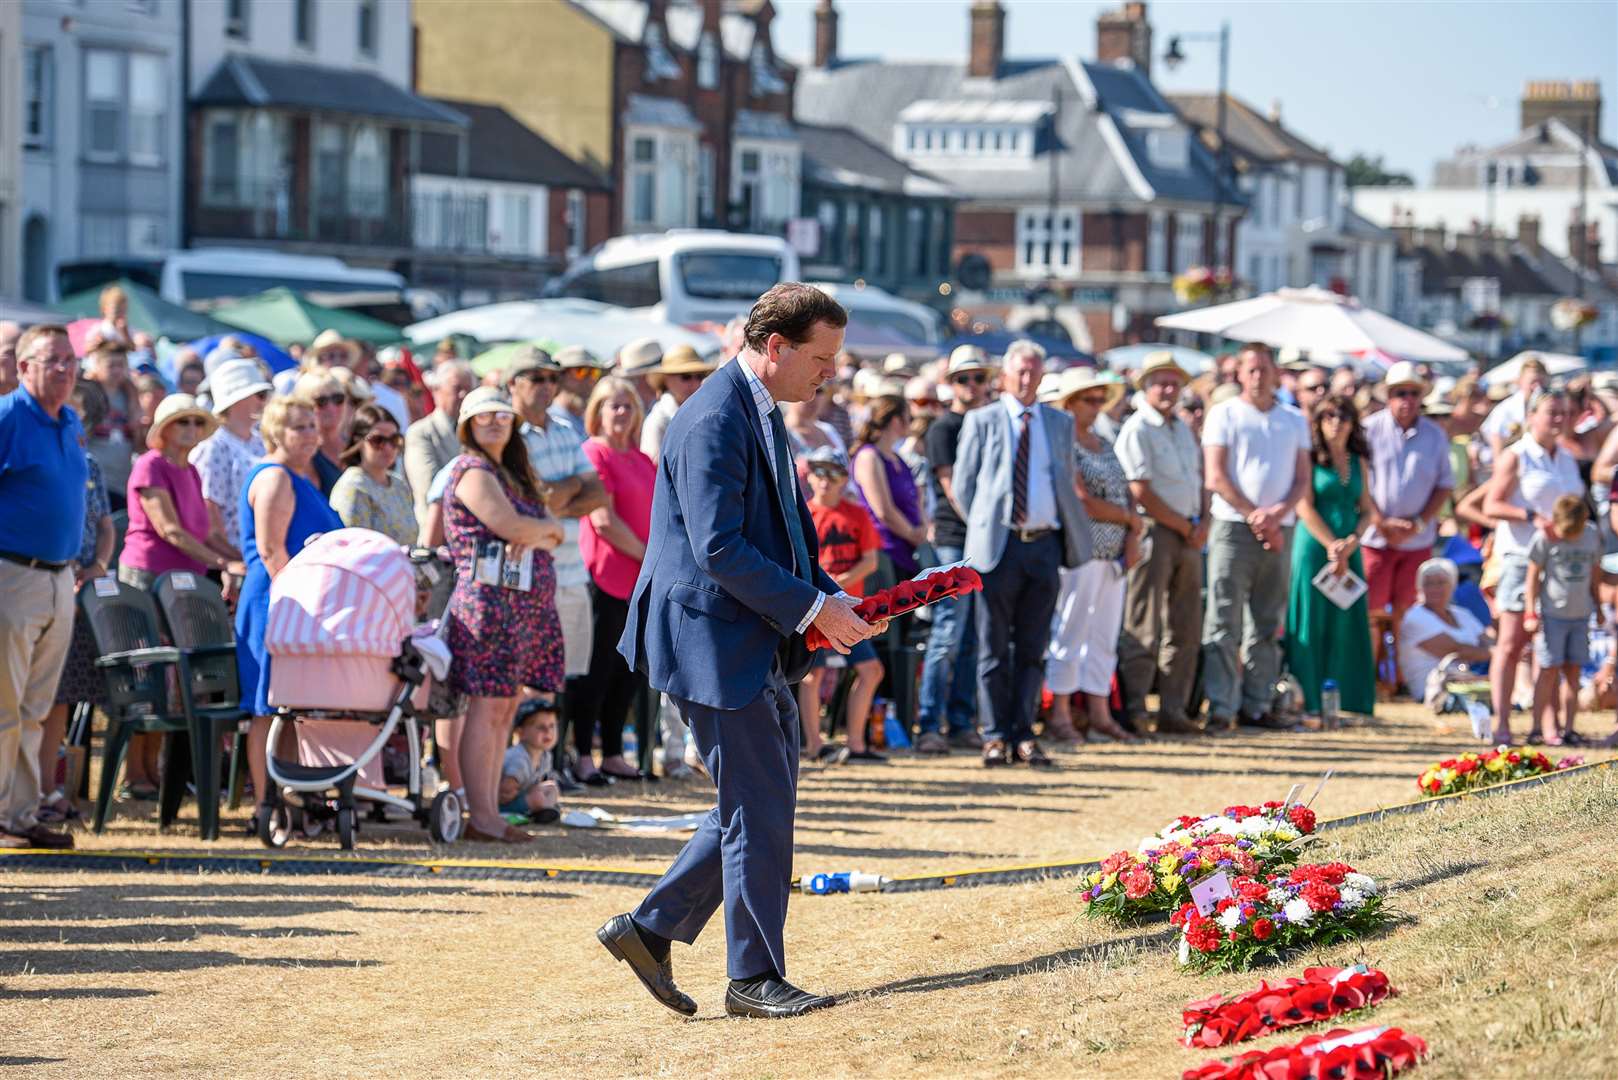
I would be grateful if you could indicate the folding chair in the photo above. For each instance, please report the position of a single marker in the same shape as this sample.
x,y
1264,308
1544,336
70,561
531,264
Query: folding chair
x,y
124,625
199,624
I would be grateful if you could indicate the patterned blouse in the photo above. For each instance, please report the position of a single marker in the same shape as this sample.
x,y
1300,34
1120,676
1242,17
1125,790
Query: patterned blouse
x,y
95,508
1103,477
223,461
363,503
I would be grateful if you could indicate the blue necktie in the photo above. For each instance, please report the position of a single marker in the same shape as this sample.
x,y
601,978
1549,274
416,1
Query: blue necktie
x,y
786,487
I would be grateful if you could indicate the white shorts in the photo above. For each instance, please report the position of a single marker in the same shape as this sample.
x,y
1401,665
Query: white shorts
x,y
578,631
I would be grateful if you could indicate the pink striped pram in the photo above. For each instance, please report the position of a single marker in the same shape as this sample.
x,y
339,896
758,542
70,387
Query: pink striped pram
x,y
349,668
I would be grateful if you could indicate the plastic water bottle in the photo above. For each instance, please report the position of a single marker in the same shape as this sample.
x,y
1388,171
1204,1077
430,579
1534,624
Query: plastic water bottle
x,y
1331,703
841,882
893,732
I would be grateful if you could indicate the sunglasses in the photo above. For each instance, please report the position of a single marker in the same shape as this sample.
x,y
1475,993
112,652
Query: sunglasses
x,y
538,378
827,472
325,400
488,418
1097,400
687,376
1401,394
976,378
381,442
589,374
1194,407
188,421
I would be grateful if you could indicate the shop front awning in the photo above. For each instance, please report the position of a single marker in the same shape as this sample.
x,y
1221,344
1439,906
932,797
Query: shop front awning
x,y
253,82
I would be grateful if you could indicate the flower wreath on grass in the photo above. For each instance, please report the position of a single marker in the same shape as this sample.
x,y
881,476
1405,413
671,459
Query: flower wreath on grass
x,y
1322,993
1472,771
1318,904
1156,878
1365,1054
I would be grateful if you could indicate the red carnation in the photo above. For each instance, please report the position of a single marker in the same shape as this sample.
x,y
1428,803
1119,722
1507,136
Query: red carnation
x,y
1137,883
1263,928
1302,817
1203,937
1252,890
1320,896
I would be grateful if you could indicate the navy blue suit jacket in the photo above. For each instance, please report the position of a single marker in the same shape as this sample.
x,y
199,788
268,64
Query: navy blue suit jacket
x,y
717,596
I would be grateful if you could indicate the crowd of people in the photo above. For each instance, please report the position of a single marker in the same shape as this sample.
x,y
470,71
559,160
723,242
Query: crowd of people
x,y
1147,534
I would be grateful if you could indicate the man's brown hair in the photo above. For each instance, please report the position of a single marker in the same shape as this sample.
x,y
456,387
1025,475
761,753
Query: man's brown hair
x,y
25,344
791,309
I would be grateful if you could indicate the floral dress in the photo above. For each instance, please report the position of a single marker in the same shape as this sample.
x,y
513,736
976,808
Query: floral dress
x,y
500,638
1103,477
80,679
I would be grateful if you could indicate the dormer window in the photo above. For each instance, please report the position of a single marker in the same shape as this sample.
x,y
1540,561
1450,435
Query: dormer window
x,y
660,63
708,62
968,130
765,79
1169,149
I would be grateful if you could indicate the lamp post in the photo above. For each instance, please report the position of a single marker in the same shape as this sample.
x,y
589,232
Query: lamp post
x,y
1173,58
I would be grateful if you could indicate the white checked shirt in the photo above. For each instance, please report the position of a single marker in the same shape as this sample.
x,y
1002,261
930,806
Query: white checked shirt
x,y
765,403
557,452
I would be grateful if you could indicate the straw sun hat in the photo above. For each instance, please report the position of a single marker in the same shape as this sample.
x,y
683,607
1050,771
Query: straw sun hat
x,y
1076,380
176,407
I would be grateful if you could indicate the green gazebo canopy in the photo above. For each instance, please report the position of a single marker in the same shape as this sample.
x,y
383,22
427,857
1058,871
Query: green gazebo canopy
x,y
148,312
287,318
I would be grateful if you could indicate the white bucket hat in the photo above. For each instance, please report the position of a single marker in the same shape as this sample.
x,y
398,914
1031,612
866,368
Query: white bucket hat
x,y
173,408
234,381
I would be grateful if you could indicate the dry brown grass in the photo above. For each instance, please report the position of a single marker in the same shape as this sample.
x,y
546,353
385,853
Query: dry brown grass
x,y
1506,962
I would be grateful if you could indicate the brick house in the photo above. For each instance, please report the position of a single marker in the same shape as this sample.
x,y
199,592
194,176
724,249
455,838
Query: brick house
x,y
1082,191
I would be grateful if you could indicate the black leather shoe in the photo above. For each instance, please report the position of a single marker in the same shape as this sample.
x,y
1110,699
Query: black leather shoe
x,y
624,942
1030,752
772,999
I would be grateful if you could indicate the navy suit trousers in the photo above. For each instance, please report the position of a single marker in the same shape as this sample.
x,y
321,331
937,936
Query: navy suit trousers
x,y
741,855
1014,629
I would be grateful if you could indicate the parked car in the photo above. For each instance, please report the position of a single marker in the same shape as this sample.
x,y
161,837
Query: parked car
x,y
683,276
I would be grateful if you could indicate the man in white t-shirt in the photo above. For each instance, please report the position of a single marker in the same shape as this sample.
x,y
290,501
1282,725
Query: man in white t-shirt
x,y
1504,424
1256,463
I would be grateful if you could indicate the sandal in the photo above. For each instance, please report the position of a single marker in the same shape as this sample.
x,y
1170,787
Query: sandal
x,y
57,809
137,792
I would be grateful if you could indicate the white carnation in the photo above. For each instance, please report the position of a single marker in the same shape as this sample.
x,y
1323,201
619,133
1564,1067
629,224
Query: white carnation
x,y
1297,911
1362,882
1230,918
1351,897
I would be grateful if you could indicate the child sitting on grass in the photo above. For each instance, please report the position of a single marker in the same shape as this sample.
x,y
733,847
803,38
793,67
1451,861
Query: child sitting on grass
x,y
527,782
848,547
1560,596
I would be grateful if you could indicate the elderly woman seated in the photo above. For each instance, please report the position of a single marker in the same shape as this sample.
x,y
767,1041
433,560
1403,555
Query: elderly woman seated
x,y
1438,628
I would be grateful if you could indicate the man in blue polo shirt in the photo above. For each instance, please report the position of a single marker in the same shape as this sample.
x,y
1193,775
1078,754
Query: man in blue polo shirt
x,y
42,479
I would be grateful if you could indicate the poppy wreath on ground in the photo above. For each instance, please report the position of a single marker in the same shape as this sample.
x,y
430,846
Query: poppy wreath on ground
x,y
930,588
1322,993
1364,1054
1469,771
1156,878
1315,905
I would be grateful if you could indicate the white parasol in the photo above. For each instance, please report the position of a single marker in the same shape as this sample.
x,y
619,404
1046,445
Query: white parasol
x,y
1315,320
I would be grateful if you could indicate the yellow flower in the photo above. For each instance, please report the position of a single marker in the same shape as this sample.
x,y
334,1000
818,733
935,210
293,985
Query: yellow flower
x,y
1170,883
1167,864
1496,765
1109,881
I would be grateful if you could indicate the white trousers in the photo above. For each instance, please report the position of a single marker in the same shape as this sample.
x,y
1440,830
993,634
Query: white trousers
x,y
1084,631
578,630
36,626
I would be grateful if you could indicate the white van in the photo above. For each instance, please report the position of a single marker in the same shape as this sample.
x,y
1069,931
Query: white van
x,y
683,276
874,310
214,274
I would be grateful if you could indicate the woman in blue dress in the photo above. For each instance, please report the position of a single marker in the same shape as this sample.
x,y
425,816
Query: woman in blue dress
x,y
282,509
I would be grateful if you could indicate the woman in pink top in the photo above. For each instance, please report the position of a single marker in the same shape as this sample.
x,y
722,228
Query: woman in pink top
x,y
613,542
171,527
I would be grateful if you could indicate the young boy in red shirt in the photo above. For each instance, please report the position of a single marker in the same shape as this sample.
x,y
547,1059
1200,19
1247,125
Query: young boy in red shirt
x,y
848,547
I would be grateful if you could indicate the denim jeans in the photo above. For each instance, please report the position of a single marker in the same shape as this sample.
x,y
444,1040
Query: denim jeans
x,y
950,668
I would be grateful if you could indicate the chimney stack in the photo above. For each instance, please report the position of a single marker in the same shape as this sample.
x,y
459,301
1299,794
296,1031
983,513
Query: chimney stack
x,y
1576,104
988,47
1584,240
825,35
1275,110
1528,233
1125,35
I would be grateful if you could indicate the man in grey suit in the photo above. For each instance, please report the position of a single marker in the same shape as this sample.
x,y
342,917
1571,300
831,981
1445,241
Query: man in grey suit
x,y
1014,477
431,442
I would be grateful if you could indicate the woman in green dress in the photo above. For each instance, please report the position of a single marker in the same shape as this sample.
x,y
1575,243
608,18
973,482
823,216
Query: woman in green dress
x,y
1323,640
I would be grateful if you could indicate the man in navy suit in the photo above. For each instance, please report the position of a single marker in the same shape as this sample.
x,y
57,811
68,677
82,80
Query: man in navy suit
x,y
729,584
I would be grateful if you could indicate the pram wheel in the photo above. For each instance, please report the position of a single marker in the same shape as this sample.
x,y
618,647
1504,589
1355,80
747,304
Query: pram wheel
x,y
444,819
275,825
345,827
